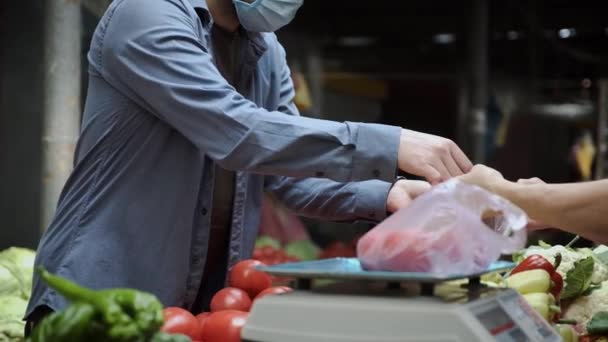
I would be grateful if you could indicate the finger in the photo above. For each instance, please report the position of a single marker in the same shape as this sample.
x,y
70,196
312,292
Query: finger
x,y
443,171
463,162
432,175
452,167
536,225
417,188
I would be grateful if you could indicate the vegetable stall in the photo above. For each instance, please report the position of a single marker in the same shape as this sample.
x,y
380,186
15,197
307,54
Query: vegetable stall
x,y
567,287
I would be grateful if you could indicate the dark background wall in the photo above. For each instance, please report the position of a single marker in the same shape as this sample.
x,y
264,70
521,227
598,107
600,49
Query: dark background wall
x,y
20,121
425,81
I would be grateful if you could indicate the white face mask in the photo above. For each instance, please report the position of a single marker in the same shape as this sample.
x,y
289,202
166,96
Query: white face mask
x,y
266,15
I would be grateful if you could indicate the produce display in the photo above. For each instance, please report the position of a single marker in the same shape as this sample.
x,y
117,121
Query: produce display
x,y
16,269
270,251
133,316
566,286
229,307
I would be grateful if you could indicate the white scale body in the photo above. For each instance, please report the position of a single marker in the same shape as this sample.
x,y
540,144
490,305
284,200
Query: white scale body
x,y
360,310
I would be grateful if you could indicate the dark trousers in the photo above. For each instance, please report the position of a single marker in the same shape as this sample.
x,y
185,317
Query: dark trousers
x,y
35,317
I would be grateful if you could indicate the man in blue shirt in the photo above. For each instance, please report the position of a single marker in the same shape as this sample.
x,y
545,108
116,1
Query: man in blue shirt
x,y
189,119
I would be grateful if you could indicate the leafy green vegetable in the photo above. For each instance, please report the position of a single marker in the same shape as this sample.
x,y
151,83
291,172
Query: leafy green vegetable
x,y
591,288
16,268
267,241
578,279
543,244
11,331
598,325
12,308
304,250
22,257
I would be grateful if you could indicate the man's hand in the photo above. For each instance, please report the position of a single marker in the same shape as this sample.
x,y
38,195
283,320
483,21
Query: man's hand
x,y
404,192
435,158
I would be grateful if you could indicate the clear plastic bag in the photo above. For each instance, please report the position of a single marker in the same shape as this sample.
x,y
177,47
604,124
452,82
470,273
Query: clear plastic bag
x,y
455,228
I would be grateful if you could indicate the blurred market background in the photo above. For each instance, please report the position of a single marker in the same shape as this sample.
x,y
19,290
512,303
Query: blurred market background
x,y
520,85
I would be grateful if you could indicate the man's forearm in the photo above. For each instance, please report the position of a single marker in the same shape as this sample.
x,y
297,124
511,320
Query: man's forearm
x,y
580,208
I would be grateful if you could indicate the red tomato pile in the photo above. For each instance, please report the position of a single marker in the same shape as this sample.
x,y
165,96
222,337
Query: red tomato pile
x,y
337,249
229,306
272,256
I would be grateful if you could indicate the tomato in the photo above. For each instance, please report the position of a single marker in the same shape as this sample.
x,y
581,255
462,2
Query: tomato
x,y
274,291
202,319
403,251
276,260
230,298
257,254
245,276
225,326
268,251
180,321
407,250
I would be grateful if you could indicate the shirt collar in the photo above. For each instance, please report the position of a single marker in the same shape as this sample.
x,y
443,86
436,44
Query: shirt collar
x,y
202,9
255,40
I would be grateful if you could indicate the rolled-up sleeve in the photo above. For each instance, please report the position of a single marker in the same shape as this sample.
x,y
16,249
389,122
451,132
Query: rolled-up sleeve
x,y
153,53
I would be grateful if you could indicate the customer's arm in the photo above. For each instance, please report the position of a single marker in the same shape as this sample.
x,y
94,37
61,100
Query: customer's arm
x,y
580,208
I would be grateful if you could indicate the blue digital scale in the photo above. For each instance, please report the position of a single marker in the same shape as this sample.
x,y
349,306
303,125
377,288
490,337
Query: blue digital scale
x,y
371,306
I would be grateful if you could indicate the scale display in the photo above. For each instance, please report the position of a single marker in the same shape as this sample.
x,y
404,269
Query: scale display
x,y
506,315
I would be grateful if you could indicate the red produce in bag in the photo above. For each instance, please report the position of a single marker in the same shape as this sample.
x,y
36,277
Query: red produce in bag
x,y
455,228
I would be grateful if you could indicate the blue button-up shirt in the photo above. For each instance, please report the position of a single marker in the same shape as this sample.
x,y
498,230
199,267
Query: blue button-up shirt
x,y
158,116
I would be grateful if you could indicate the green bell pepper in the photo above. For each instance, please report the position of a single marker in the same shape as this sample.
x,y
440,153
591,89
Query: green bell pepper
x,y
110,315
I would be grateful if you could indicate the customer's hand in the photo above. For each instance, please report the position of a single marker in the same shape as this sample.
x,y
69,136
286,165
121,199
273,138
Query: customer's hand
x,y
491,180
534,224
435,158
484,177
404,192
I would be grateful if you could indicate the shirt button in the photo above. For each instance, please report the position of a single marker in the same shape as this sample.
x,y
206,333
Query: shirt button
x,y
320,173
376,173
204,211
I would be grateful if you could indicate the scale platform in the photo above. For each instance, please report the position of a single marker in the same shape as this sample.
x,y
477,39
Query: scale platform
x,y
351,269
375,306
